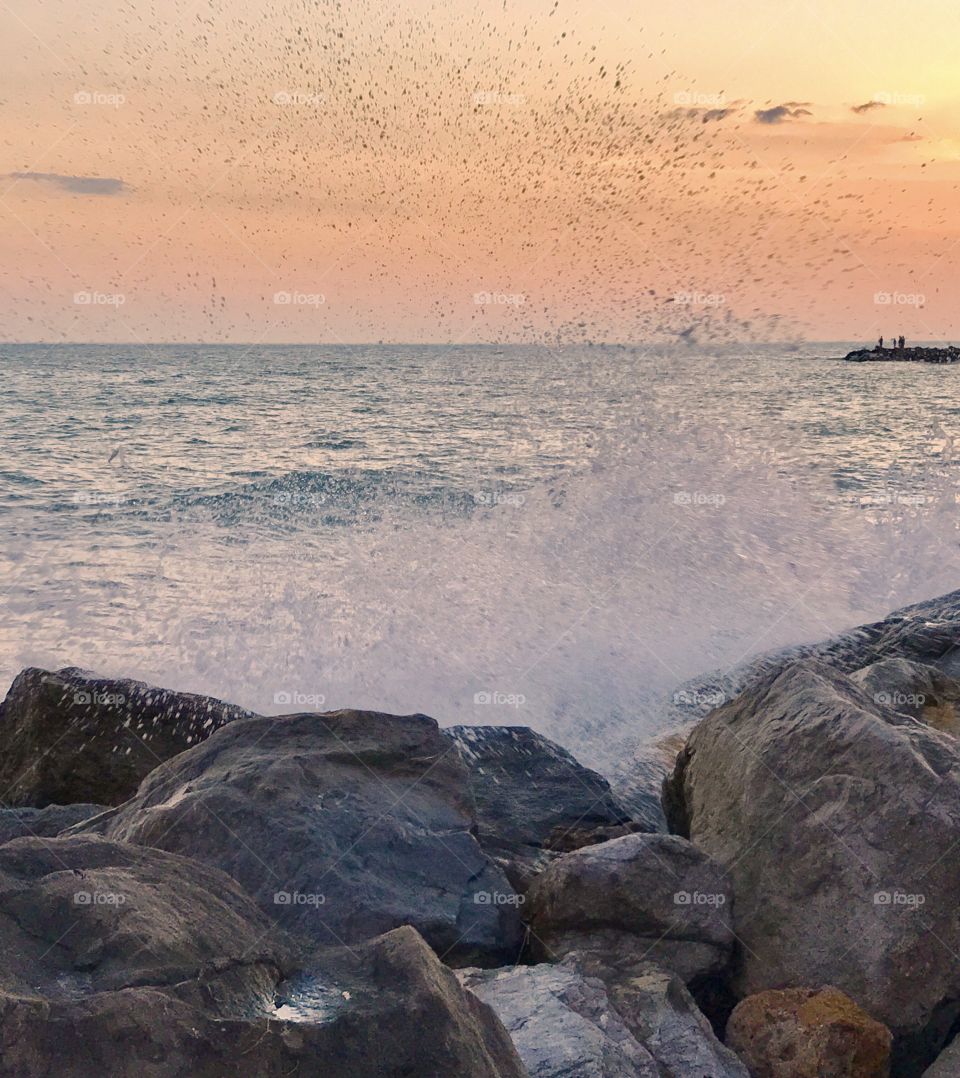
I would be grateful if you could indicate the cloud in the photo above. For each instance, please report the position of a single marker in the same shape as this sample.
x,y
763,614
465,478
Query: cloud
x,y
76,185
868,106
778,114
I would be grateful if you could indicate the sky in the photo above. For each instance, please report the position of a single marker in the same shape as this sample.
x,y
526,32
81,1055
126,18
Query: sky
x,y
455,172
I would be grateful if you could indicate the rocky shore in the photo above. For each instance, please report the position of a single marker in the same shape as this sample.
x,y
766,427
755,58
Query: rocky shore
x,y
187,888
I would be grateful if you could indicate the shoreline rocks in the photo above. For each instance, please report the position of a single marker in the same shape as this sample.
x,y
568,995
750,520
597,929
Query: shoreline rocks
x,y
68,736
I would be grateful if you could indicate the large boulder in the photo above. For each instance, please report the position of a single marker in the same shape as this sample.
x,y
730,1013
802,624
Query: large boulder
x,y
562,1023
640,898
533,799
808,1033
341,825
69,736
836,818
132,962
83,915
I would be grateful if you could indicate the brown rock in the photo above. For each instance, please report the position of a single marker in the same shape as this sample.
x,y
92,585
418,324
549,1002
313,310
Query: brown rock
x,y
808,1033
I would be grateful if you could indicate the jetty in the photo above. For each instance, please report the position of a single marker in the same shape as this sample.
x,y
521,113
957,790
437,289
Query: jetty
x,y
949,354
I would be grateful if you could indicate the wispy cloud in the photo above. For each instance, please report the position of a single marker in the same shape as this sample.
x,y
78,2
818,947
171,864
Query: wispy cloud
x,y
778,114
76,185
868,106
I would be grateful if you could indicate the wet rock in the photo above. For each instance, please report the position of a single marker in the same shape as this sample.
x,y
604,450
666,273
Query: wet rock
x,y
43,823
69,737
83,915
915,689
645,897
835,817
562,1023
533,799
342,826
186,984
808,1033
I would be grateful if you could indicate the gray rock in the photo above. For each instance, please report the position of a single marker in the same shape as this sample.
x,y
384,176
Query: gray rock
x,y
70,737
342,826
837,819
660,1012
533,799
947,1064
914,688
649,897
43,823
385,1009
83,915
562,1023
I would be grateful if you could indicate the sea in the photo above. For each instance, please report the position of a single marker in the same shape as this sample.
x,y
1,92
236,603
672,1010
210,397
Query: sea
x,y
545,536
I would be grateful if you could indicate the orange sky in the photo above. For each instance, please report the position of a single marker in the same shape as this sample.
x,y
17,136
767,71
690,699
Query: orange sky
x,y
452,172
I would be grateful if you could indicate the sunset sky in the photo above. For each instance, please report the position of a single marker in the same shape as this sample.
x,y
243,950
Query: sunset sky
x,y
292,171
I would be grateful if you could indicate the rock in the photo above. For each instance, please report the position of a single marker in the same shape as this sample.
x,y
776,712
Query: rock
x,y
660,1012
186,981
808,1033
533,799
562,1023
837,819
648,897
342,826
43,823
915,689
83,915
947,1064
70,737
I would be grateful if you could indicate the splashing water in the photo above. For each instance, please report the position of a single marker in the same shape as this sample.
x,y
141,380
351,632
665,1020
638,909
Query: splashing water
x,y
553,539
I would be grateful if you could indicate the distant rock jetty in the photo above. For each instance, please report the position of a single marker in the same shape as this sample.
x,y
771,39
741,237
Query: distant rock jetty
x,y
950,354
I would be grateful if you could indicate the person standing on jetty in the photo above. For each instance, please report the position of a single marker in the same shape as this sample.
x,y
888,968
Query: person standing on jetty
x,y
880,344
902,343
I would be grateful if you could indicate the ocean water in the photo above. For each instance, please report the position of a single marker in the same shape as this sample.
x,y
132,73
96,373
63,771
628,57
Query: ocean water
x,y
553,537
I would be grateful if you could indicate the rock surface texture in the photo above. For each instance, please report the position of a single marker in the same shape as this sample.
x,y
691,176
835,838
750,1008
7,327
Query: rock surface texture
x,y
342,826
837,819
808,1033
69,736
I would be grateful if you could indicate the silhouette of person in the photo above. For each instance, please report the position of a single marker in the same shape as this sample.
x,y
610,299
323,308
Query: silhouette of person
x,y
903,342
880,345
